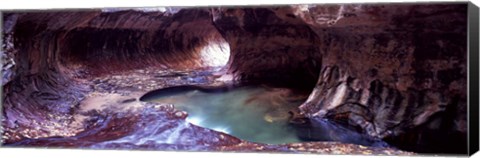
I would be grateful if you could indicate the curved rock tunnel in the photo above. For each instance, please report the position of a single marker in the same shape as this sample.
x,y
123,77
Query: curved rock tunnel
x,y
392,72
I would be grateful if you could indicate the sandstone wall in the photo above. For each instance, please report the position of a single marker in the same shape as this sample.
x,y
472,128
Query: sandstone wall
x,y
396,72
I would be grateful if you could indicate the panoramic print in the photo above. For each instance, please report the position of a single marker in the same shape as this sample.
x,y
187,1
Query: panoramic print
x,y
363,79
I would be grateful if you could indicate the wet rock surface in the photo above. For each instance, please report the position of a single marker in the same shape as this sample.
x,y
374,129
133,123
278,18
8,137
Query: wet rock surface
x,y
394,72
160,127
381,68
390,80
113,120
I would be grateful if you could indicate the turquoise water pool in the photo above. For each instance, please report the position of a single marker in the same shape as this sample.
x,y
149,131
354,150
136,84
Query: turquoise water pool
x,y
255,114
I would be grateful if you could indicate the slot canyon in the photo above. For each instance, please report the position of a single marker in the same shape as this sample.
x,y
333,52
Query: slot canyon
x,y
387,79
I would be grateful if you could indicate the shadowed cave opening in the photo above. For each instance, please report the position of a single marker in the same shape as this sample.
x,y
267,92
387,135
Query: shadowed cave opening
x,y
322,78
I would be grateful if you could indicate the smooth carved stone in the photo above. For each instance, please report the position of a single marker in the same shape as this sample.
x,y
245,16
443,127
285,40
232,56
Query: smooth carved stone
x,y
269,49
405,63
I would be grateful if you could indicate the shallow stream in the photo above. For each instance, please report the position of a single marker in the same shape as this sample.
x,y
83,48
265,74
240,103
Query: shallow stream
x,y
256,114
250,113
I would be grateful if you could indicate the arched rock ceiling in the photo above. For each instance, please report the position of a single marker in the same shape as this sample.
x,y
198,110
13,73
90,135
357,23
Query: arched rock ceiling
x,y
393,69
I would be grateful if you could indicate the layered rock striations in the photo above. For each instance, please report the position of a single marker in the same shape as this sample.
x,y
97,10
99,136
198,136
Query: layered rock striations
x,y
394,72
58,53
401,76
269,45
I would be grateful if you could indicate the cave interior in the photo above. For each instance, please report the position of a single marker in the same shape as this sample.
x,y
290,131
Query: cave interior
x,y
391,77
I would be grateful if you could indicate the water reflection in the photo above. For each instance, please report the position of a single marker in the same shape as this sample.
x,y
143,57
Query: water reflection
x,y
194,120
251,113
257,114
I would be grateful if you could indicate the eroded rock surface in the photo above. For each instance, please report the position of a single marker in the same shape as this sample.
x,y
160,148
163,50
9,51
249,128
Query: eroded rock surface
x,y
402,74
269,45
388,70
395,72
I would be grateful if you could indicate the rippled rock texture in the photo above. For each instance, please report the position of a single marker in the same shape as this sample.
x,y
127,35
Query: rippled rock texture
x,y
394,72
404,73
58,53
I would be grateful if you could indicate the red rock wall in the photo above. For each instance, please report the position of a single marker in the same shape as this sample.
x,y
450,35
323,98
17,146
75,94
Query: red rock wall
x,y
396,72
270,46
402,74
393,71
56,52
